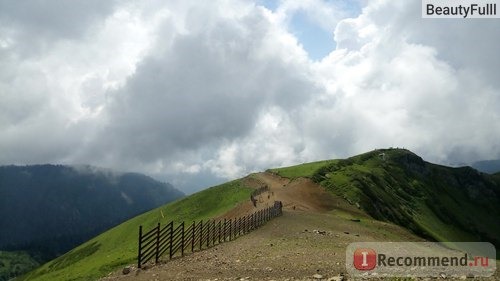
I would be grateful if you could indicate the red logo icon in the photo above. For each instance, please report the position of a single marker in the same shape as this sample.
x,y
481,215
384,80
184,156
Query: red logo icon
x,y
365,259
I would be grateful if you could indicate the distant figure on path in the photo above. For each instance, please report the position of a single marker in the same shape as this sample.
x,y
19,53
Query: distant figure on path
x,y
254,201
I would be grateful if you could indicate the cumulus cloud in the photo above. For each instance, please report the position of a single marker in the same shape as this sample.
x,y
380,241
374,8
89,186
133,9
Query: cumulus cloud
x,y
33,26
418,83
197,93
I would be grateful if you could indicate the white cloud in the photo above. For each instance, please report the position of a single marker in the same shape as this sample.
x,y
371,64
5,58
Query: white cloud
x,y
197,92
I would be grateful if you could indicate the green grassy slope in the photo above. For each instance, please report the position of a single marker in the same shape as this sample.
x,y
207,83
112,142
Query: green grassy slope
x,y
437,202
303,170
15,263
118,246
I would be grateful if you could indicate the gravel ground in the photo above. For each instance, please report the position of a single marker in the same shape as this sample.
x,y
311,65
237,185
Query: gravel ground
x,y
307,243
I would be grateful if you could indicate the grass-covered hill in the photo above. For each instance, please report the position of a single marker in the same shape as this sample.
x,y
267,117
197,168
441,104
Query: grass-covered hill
x,y
394,185
118,246
436,202
46,210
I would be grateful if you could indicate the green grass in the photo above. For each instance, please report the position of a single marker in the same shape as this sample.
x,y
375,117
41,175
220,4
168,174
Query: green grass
x,y
118,246
436,229
393,185
303,170
436,202
15,263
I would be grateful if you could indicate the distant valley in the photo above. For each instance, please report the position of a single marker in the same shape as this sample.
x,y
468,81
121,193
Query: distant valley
x,y
50,209
487,166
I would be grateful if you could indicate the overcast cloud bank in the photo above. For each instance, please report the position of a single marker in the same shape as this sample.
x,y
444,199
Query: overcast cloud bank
x,y
199,92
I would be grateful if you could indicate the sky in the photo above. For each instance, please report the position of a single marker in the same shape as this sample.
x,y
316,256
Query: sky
x,y
200,92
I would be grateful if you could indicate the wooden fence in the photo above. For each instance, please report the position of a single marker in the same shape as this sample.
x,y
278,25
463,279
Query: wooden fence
x,y
173,240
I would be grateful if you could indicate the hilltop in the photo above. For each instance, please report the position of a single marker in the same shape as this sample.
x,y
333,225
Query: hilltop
x,y
49,209
383,195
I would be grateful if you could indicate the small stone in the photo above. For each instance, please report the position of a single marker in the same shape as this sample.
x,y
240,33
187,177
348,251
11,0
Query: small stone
x,y
442,275
126,270
317,276
336,278
463,277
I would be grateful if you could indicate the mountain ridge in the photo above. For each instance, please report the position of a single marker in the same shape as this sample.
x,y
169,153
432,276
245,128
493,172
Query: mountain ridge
x,y
394,186
49,209
434,201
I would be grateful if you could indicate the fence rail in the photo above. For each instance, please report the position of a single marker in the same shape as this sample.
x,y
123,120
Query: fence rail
x,y
171,241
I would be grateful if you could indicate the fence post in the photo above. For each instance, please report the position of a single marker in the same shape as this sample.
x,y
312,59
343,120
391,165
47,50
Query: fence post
x,y
171,234
208,234
244,224
139,257
250,222
192,236
247,224
201,234
219,232
157,243
225,229
182,240
214,235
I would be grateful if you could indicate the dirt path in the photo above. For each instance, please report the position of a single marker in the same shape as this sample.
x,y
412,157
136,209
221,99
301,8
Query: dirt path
x,y
310,238
297,195
292,247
